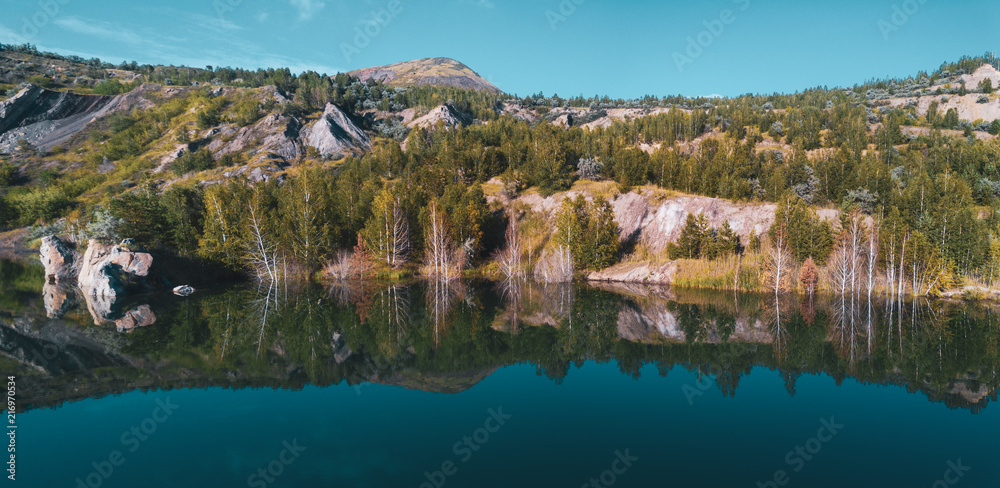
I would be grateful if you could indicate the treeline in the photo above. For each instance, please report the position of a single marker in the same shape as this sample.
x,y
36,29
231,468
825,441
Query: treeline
x,y
302,222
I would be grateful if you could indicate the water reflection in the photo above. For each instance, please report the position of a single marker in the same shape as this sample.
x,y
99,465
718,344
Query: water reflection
x,y
447,335
61,298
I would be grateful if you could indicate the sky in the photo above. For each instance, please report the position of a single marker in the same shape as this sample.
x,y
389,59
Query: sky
x,y
619,48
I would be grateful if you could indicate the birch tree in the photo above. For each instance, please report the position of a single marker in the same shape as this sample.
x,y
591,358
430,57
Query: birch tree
x,y
387,233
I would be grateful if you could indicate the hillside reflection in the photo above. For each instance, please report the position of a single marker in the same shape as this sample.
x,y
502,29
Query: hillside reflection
x,y
445,337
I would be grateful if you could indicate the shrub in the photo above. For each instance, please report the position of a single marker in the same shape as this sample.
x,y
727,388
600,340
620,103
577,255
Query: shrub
x,y
8,175
113,87
209,117
986,86
40,205
589,169
199,160
863,199
245,112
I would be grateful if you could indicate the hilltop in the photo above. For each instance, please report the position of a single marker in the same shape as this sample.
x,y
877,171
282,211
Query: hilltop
x,y
430,71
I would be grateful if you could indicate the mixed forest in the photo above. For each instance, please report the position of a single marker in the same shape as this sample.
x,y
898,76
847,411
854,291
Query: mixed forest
x,y
917,209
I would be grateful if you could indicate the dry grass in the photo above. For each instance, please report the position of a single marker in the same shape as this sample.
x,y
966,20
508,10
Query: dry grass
x,y
734,272
536,232
492,189
644,254
607,189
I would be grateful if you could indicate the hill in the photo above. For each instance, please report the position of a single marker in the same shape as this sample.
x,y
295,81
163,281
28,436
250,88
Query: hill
x,y
430,71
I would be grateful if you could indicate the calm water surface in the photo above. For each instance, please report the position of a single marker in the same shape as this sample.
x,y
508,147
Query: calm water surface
x,y
469,385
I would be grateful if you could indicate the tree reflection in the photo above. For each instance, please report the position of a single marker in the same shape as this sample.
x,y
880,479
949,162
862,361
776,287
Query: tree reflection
x,y
444,336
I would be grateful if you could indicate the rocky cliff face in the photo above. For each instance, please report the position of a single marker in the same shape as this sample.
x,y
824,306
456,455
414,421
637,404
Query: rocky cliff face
x,y
643,216
275,135
45,118
335,133
446,114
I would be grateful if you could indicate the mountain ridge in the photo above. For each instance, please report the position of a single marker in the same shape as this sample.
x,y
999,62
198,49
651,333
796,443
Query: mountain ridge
x,y
427,71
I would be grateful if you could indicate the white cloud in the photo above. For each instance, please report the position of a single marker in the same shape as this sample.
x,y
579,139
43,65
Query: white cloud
x,y
308,8
209,22
10,37
101,30
262,16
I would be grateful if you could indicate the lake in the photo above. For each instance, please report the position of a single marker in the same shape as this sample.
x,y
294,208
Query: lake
x,y
473,384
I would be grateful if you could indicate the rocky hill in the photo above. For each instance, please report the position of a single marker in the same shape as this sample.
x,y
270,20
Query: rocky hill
x,y
430,71
45,118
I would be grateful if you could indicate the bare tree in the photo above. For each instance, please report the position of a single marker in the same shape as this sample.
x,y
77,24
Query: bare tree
x,y
261,252
443,261
890,266
855,235
342,267
399,237
555,266
902,274
510,258
779,263
871,259
840,269
387,234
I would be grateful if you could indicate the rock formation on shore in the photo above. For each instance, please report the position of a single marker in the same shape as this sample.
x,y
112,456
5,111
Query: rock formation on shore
x,y
102,274
107,270
61,262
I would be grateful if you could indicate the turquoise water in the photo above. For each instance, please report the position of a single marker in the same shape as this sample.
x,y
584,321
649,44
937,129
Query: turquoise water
x,y
561,386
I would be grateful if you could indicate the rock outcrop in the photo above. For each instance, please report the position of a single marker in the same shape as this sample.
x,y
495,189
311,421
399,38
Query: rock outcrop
x,y
647,273
335,133
45,118
274,134
445,114
107,270
61,262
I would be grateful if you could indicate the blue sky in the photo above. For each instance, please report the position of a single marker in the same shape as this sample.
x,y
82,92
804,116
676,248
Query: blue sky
x,y
621,48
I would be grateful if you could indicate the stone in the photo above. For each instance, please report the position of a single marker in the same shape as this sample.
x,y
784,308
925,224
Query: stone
x,y
101,308
59,299
141,316
335,133
183,290
105,269
61,263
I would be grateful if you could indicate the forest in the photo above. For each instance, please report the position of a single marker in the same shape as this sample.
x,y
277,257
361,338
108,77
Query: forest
x,y
918,212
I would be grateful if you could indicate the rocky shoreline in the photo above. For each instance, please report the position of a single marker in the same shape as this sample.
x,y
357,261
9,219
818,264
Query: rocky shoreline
x,y
102,276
